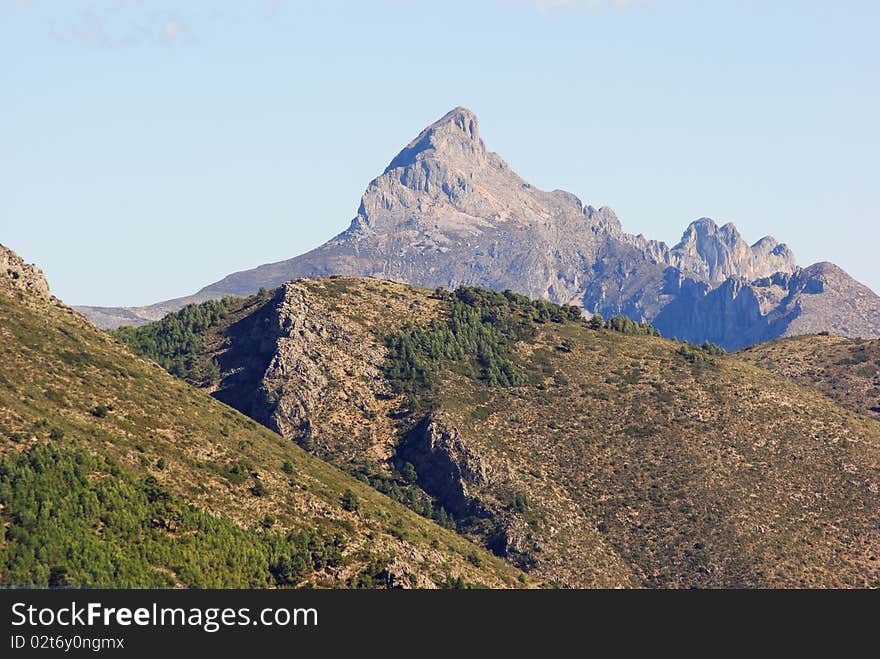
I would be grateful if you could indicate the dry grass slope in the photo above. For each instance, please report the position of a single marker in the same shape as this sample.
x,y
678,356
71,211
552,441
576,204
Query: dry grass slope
x,y
845,370
619,460
60,373
690,475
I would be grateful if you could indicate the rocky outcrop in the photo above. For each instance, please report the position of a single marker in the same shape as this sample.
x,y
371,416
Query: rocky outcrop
x,y
824,298
448,212
309,374
447,467
19,277
728,315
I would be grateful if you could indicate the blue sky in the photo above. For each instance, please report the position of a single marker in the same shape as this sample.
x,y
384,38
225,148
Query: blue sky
x,y
149,148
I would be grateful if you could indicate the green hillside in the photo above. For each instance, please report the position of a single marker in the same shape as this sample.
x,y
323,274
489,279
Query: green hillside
x,y
113,472
587,453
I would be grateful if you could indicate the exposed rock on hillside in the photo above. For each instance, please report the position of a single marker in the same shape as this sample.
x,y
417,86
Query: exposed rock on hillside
x,y
309,373
66,387
18,276
448,468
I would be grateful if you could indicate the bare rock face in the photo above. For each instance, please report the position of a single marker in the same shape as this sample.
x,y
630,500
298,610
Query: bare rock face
x,y
18,276
447,466
448,212
308,374
729,313
715,253
740,313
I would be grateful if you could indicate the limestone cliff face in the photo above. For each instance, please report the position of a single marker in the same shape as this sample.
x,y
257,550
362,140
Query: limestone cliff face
x,y
281,363
739,313
716,253
448,212
825,298
301,368
729,314
19,277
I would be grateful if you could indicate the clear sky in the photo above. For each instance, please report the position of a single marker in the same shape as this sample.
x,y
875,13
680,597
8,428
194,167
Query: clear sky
x,y
148,148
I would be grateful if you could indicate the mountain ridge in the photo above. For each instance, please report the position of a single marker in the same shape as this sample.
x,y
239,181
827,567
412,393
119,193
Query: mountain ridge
x,y
448,212
193,492
590,454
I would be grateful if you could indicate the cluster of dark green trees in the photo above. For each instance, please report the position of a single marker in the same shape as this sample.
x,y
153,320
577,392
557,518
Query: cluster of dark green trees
x,y
73,519
402,487
623,325
477,334
174,341
700,354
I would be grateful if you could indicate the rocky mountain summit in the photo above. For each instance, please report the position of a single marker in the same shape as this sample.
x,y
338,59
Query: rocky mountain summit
x,y
18,276
447,212
717,253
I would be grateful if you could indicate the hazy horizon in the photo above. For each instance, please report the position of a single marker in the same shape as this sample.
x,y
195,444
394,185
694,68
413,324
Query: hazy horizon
x,y
152,150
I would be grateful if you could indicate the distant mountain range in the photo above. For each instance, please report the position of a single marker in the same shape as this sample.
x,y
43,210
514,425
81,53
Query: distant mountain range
x,y
446,212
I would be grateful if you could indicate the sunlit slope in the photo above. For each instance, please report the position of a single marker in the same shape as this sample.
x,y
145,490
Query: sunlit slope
x,y
845,370
588,453
69,386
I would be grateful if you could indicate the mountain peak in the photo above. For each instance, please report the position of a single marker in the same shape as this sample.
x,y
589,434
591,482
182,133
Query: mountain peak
x,y
704,224
461,118
706,228
730,231
455,136
767,242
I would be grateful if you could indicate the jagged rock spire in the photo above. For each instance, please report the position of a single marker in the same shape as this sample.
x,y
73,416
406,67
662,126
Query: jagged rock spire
x,y
717,253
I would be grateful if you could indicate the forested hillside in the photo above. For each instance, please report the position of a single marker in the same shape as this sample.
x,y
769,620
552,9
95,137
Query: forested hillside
x,y
113,472
586,452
